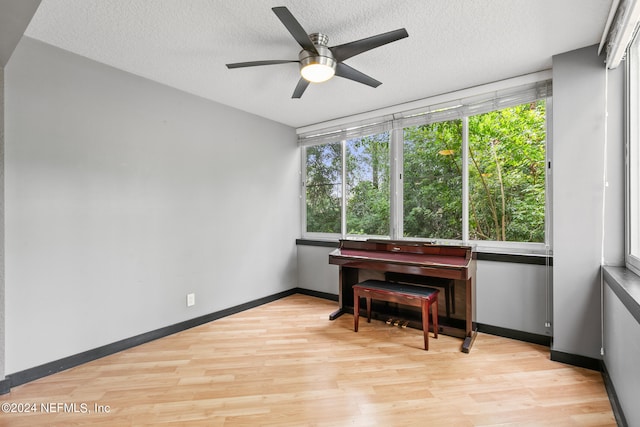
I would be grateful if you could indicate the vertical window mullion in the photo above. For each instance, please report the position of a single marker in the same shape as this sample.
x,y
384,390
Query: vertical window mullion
x,y
343,210
303,191
396,184
548,238
465,179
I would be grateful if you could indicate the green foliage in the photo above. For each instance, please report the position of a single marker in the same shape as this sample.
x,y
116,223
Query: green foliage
x,y
323,185
507,174
433,180
368,185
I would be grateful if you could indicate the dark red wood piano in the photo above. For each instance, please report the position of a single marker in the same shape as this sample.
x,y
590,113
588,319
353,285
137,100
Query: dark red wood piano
x,y
444,266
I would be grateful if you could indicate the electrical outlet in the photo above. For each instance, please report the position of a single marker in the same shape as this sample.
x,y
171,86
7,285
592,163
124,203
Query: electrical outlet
x,y
191,300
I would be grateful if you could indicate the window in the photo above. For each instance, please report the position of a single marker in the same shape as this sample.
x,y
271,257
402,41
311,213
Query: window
x,y
324,188
471,170
633,155
367,195
365,173
507,174
432,180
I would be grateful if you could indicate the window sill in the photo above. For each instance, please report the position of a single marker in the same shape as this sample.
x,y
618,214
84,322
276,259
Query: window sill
x,y
626,285
481,254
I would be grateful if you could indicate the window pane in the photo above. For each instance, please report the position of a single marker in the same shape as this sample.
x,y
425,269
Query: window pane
x,y
507,174
368,185
324,188
433,180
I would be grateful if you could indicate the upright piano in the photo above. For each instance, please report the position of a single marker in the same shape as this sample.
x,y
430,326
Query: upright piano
x,y
410,262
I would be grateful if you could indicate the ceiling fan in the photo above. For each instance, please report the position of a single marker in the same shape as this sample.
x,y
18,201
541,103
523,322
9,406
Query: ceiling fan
x,y
318,62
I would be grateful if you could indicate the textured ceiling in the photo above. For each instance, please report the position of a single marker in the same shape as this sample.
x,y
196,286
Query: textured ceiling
x,y
451,45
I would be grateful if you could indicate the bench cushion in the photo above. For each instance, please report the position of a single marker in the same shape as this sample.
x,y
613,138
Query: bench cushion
x,y
399,288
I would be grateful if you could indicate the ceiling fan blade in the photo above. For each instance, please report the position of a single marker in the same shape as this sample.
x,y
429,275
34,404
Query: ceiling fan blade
x,y
294,28
347,50
300,88
345,71
257,63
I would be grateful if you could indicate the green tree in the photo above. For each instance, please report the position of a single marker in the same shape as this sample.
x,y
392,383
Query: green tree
x,y
368,198
433,180
323,188
507,174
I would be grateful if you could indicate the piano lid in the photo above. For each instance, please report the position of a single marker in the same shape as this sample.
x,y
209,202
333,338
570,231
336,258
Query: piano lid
x,y
407,247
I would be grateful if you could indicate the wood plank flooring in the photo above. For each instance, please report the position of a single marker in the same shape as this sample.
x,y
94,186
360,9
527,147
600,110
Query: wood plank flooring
x,y
285,364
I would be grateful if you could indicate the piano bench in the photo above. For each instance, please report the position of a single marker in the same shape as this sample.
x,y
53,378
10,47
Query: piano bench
x,y
412,295
448,285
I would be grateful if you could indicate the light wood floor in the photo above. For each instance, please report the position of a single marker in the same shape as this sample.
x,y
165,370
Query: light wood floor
x,y
286,364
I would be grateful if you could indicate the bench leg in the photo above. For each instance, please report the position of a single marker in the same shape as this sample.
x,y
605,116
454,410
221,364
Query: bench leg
x,y
425,323
426,304
434,314
356,310
368,309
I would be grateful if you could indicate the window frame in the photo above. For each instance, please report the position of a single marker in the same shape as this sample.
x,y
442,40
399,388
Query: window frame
x,y
401,176
395,123
344,194
632,155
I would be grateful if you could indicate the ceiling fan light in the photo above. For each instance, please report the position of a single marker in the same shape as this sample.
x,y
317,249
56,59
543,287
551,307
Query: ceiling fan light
x,y
317,72
318,66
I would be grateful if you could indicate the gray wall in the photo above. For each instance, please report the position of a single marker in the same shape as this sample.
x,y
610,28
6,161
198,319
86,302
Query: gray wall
x,y
14,18
578,164
514,296
314,271
123,195
2,281
622,347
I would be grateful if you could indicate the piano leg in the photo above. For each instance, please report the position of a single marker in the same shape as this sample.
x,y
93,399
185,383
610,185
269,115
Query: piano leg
x,y
339,312
471,332
347,277
468,341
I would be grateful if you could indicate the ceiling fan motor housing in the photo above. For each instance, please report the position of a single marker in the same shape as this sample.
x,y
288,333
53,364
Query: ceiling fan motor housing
x,y
324,55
